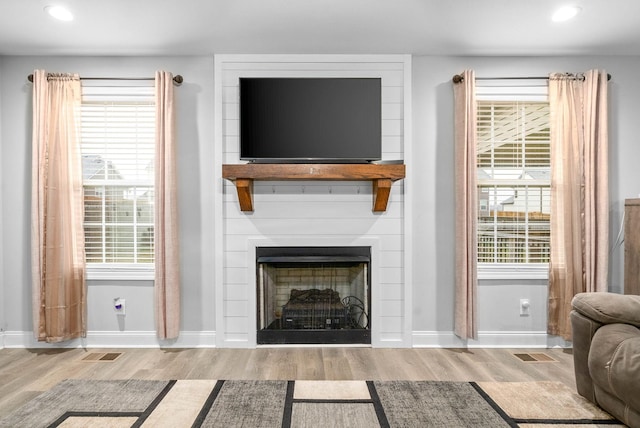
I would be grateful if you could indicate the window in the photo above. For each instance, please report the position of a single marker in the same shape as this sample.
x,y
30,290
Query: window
x,y
118,146
513,180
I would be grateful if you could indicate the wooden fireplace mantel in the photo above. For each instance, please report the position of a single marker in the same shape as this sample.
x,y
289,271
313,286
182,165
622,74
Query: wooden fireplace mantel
x,y
382,177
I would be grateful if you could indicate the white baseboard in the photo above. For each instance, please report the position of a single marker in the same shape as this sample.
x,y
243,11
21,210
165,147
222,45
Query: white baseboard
x,y
115,339
207,339
489,339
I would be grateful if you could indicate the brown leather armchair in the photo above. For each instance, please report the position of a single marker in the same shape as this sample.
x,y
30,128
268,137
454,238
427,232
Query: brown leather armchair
x,y
606,352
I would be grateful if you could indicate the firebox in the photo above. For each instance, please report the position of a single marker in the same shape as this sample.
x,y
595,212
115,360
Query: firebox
x,y
313,295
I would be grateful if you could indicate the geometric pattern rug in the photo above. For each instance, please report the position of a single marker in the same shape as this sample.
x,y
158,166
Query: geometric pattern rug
x,y
275,404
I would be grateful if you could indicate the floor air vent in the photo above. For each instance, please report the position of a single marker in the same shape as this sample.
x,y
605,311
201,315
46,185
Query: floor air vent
x,y
102,356
537,357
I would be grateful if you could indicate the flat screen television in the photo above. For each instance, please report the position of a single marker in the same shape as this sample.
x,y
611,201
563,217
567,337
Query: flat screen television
x,y
320,120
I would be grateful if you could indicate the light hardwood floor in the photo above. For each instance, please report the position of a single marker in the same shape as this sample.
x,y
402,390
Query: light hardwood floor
x,y
24,373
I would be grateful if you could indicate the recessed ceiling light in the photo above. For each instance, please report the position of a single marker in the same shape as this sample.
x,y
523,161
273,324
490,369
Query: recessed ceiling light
x,y
565,13
59,12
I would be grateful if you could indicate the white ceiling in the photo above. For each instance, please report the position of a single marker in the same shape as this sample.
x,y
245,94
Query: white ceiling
x,y
204,27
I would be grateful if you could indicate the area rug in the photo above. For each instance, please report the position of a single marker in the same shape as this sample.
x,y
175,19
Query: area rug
x,y
275,404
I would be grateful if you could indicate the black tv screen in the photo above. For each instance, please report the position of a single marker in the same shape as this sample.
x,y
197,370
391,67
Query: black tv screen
x,y
310,119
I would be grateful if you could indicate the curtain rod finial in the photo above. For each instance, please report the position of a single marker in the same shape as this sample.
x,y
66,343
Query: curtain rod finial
x,y
30,78
178,79
457,78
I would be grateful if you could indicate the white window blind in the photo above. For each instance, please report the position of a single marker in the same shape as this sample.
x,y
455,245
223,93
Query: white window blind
x,y
118,149
513,175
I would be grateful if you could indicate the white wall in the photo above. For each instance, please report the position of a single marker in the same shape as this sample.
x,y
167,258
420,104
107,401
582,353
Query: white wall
x,y
499,317
195,166
430,185
312,213
3,301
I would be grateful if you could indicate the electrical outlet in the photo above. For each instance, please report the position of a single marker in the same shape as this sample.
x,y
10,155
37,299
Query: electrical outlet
x,y
119,306
524,307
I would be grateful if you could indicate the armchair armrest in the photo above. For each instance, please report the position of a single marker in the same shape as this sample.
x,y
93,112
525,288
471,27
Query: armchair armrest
x,y
608,308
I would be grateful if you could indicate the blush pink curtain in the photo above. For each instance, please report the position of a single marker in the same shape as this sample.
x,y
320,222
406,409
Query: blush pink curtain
x,y
465,140
167,272
579,193
59,296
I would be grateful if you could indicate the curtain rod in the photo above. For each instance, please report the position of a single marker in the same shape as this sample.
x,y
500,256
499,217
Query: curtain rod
x,y
177,79
457,78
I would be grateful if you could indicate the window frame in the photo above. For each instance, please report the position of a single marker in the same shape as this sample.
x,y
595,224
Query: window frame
x,y
524,91
122,92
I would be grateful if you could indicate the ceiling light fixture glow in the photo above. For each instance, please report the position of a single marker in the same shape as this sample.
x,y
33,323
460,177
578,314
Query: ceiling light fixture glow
x,y
565,13
59,12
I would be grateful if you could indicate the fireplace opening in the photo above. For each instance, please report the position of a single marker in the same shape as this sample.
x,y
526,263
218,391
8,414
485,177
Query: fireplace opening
x,y
313,295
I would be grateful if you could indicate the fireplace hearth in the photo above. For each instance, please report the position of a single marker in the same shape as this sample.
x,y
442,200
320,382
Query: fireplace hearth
x,y
313,295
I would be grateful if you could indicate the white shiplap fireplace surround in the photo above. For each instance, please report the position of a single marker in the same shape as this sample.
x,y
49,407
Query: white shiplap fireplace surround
x,y
312,213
